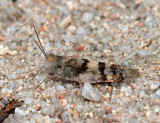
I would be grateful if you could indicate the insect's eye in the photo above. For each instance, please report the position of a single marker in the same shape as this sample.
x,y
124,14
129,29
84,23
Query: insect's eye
x,y
50,58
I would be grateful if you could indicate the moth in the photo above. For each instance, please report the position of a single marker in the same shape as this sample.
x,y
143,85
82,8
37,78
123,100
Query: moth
x,y
69,68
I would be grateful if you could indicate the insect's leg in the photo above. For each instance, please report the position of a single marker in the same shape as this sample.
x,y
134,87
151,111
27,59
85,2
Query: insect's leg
x,y
99,82
70,79
40,69
46,79
38,84
110,90
55,77
109,79
81,86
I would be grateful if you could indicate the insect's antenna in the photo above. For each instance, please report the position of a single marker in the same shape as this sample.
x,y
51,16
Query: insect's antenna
x,y
39,45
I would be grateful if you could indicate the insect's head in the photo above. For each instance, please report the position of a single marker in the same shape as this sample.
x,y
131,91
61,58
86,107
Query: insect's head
x,y
49,57
50,63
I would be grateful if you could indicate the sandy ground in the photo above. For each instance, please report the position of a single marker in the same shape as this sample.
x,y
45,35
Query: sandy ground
x,y
122,32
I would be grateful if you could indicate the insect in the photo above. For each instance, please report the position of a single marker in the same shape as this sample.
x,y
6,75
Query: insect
x,y
68,68
9,108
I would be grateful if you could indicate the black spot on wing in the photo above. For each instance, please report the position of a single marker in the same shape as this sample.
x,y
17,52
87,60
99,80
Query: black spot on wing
x,y
84,66
103,77
117,70
114,69
59,61
71,62
101,67
121,76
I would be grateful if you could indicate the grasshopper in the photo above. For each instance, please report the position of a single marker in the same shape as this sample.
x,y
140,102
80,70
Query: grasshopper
x,y
69,68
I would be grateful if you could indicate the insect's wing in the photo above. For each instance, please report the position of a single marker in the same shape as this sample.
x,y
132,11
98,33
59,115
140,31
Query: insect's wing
x,y
117,73
74,62
101,72
125,71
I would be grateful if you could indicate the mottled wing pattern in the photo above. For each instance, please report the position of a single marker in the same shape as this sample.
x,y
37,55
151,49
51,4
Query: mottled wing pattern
x,y
125,71
105,73
79,64
117,73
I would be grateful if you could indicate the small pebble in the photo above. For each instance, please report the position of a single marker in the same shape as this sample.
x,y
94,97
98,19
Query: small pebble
x,y
87,17
117,16
38,106
59,114
76,113
81,31
61,95
72,29
47,119
49,110
12,76
157,109
154,87
2,38
90,93
59,121
74,91
1,82
142,53
79,48
11,85
20,88
158,92
142,94
28,100
125,49
108,110
110,89
124,89
42,85
69,86
12,52
20,112
90,114
63,102
60,88
66,21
